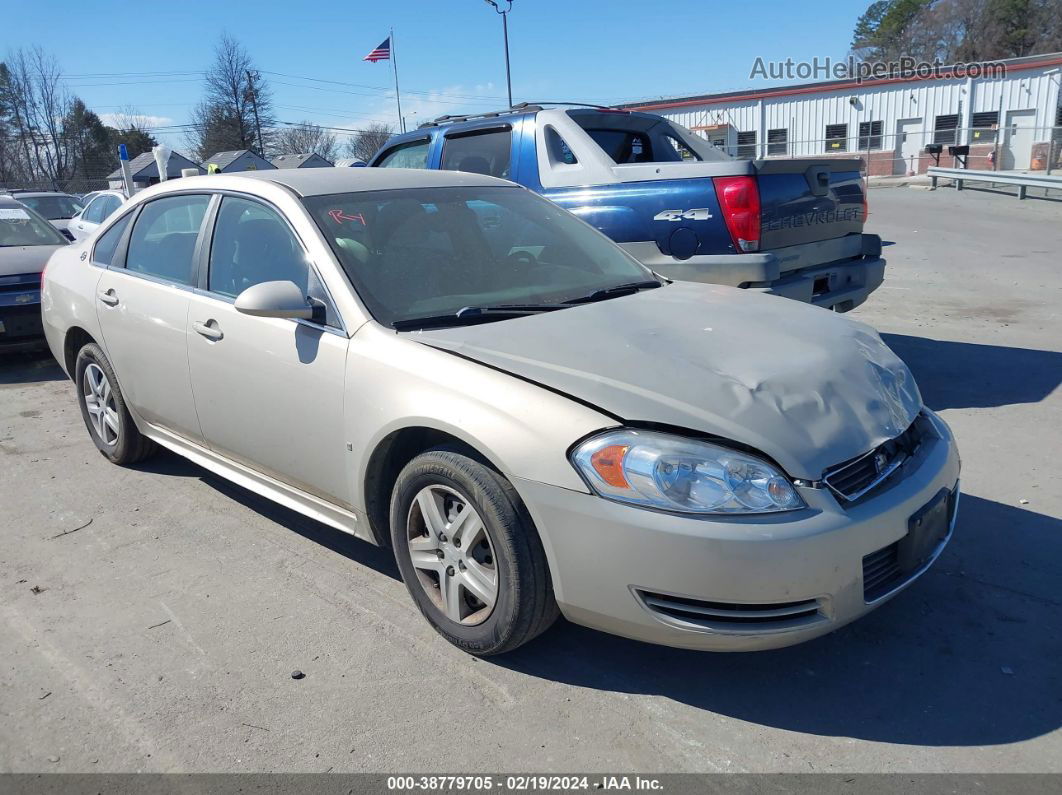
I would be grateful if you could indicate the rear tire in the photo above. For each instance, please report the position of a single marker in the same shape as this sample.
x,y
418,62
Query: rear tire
x,y
104,410
502,557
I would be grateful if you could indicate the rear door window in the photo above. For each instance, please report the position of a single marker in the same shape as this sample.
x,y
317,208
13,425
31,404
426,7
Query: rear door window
x,y
479,152
408,155
162,243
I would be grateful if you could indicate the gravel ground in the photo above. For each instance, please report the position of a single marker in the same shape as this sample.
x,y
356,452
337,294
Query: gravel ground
x,y
151,618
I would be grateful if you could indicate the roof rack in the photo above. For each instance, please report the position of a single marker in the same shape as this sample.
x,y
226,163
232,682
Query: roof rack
x,y
521,107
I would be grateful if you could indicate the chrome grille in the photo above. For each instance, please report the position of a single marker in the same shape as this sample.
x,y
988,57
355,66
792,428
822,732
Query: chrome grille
x,y
858,476
729,616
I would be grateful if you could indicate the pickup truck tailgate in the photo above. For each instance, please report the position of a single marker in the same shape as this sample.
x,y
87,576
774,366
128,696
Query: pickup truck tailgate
x,y
806,201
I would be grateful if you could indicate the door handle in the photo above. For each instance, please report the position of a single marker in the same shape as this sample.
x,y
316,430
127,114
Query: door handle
x,y
209,330
109,297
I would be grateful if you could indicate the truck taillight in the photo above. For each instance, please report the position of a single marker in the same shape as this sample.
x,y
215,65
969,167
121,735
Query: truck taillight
x,y
739,200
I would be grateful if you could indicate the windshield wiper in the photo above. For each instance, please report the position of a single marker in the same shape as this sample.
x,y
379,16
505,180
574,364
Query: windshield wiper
x,y
615,291
469,315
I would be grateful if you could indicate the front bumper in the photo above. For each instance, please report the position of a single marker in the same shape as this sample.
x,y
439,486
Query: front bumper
x,y
611,562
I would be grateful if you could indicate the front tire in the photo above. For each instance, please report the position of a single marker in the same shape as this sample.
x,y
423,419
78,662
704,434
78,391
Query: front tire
x,y
469,554
104,410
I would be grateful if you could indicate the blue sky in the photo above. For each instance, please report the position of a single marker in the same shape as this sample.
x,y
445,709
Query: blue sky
x,y
449,52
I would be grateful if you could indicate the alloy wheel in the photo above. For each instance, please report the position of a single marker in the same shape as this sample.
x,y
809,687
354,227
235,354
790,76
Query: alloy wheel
x,y
101,406
452,554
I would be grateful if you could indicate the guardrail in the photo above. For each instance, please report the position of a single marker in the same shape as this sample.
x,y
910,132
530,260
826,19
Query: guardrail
x,y
1022,181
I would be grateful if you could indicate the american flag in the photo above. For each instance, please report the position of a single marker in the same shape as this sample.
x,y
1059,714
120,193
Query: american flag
x,y
381,53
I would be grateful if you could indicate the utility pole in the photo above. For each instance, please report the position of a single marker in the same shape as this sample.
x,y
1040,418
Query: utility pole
x,y
505,32
253,96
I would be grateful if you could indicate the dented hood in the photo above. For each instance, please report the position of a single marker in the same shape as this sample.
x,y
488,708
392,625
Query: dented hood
x,y
808,387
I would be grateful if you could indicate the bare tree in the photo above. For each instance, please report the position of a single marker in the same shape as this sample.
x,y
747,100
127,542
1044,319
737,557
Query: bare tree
x,y
366,143
35,105
958,30
129,117
237,108
306,137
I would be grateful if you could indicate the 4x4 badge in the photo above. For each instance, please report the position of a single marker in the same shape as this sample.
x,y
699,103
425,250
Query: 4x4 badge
x,y
699,214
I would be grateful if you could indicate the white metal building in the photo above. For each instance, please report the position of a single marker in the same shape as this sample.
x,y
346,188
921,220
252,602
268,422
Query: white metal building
x,y
1009,122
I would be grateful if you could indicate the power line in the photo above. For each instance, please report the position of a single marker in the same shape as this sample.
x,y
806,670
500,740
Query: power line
x,y
338,113
382,88
363,94
133,82
182,75
135,74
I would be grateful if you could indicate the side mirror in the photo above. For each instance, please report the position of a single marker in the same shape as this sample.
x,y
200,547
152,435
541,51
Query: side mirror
x,y
275,299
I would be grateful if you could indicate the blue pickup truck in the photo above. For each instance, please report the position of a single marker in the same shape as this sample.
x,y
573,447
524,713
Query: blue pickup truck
x,y
684,208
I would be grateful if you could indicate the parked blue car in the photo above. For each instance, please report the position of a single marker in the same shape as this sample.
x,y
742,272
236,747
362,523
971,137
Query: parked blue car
x,y
26,242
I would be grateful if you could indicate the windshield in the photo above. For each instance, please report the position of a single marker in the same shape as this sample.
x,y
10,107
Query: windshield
x,y
434,251
641,138
20,227
54,208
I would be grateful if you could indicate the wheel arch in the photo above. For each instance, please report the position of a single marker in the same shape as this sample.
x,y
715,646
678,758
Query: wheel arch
x,y
391,454
76,338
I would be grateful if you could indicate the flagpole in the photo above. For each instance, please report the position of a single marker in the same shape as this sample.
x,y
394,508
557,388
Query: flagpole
x,y
394,67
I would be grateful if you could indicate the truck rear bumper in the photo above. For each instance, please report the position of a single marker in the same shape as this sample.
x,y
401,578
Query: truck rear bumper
x,y
836,274
839,286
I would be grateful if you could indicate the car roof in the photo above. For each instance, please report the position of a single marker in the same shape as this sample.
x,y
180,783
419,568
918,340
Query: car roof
x,y
324,181
446,126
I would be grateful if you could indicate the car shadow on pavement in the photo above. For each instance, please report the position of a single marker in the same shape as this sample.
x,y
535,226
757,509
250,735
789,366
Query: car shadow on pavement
x,y
24,367
966,656
358,551
959,375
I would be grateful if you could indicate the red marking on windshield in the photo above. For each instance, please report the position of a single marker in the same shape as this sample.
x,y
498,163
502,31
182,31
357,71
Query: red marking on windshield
x,y
339,217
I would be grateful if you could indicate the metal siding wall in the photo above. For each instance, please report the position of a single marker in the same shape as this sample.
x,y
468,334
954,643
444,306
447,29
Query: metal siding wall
x,y
805,116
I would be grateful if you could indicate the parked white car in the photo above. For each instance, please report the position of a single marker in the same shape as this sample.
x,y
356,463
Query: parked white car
x,y
98,209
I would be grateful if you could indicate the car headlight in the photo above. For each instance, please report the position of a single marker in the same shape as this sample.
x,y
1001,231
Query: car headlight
x,y
670,473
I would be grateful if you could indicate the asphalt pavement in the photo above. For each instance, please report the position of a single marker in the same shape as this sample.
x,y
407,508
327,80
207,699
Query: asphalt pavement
x,y
151,617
